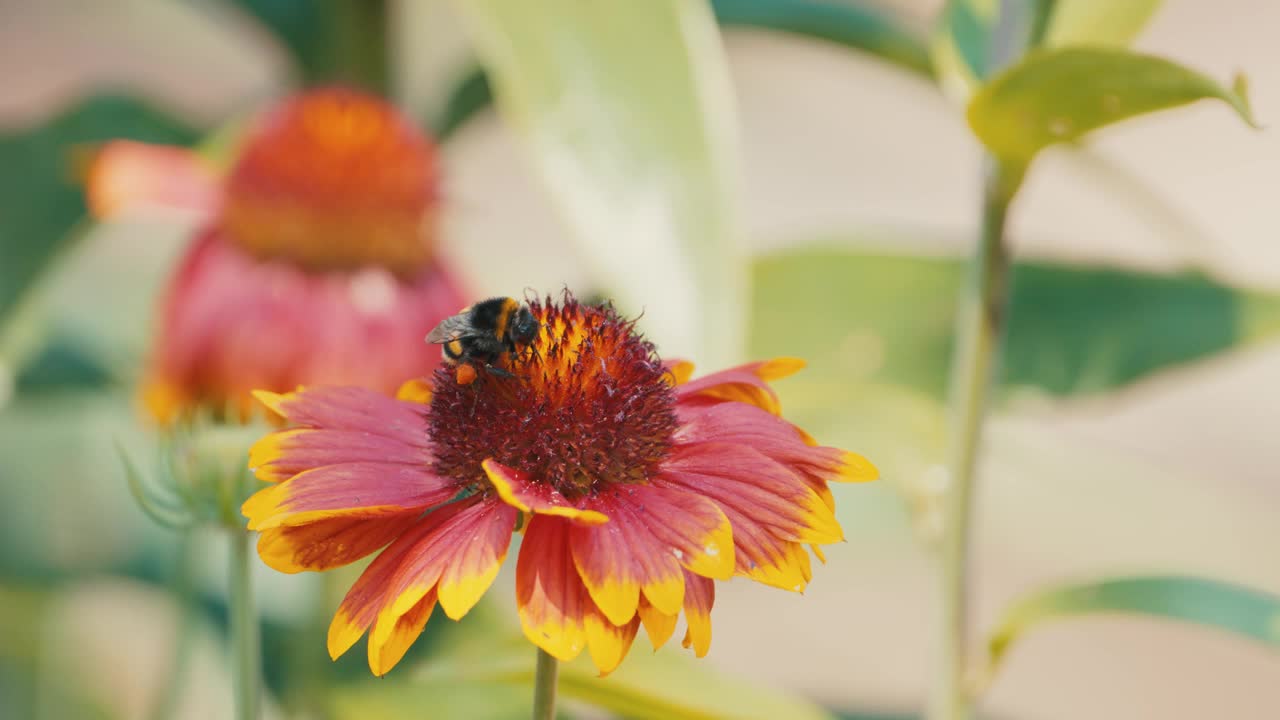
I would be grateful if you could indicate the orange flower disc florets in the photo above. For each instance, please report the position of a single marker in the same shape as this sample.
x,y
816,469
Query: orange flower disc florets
x,y
334,180
589,404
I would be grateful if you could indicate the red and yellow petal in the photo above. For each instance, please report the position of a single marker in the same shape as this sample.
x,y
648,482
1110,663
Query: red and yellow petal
x,y
285,453
351,490
391,637
680,370
607,643
360,608
745,383
700,596
330,543
739,477
458,557
355,409
525,494
550,596
652,532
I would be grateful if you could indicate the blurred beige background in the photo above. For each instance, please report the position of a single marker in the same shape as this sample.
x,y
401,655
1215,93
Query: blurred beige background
x,y
1178,473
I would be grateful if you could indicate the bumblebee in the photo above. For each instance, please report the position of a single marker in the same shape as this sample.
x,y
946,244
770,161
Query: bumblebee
x,y
481,334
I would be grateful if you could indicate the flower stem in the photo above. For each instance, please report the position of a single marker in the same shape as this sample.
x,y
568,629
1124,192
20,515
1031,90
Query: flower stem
x,y
979,330
166,702
544,686
244,629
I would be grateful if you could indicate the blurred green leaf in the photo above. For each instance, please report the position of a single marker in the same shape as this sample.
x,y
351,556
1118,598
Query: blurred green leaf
x,y
625,110
1245,611
1098,22
667,685
1060,95
40,194
856,25
1072,329
432,698
973,39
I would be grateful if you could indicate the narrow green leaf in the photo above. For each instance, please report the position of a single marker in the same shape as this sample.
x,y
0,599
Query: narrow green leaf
x,y
1073,329
1098,22
855,25
1248,612
1060,95
159,510
624,109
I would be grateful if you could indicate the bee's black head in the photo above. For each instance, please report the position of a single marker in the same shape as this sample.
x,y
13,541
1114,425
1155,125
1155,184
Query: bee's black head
x,y
524,327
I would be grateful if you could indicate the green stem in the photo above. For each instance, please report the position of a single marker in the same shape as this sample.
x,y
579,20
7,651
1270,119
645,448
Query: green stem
x,y
544,686
357,47
244,629
166,703
979,330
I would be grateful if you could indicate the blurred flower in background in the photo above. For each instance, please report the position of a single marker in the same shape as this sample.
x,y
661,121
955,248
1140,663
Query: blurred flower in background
x,y
314,262
638,488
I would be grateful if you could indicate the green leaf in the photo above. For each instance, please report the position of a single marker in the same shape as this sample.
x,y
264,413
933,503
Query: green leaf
x,y
41,200
1072,329
855,25
1248,612
665,685
975,38
624,109
1098,22
1057,96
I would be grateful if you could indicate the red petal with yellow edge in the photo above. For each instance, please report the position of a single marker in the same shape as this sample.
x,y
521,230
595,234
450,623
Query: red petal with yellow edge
x,y
772,436
740,478
391,638
551,598
608,643
745,383
525,494
658,626
350,408
475,564
330,543
699,598
355,490
285,453
466,542
129,178
360,607
651,533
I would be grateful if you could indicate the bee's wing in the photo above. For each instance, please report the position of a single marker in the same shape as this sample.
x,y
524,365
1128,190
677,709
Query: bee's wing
x,y
450,329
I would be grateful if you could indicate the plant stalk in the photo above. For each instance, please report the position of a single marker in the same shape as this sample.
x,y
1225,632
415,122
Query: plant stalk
x,y
166,703
979,332
544,686
244,629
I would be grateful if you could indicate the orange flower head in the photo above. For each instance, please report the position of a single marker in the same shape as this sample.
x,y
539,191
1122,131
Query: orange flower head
x,y
638,488
311,263
333,179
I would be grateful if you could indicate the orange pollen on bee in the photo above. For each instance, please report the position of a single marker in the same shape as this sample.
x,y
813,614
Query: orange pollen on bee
x,y
334,179
587,403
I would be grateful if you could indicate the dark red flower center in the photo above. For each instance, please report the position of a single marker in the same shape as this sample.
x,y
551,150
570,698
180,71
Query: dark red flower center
x,y
589,403
334,179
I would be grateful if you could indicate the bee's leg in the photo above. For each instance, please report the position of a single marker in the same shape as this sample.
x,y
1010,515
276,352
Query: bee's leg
x,y
498,371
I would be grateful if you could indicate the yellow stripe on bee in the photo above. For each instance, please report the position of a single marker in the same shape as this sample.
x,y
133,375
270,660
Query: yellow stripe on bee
x,y
509,306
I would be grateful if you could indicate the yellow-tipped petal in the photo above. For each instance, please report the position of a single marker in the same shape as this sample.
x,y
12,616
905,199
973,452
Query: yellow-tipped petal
x,y
343,633
680,371
698,634
666,595
457,597
617,599
778,368
856,468
717,557
608,643
658,626
392,636
498,476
